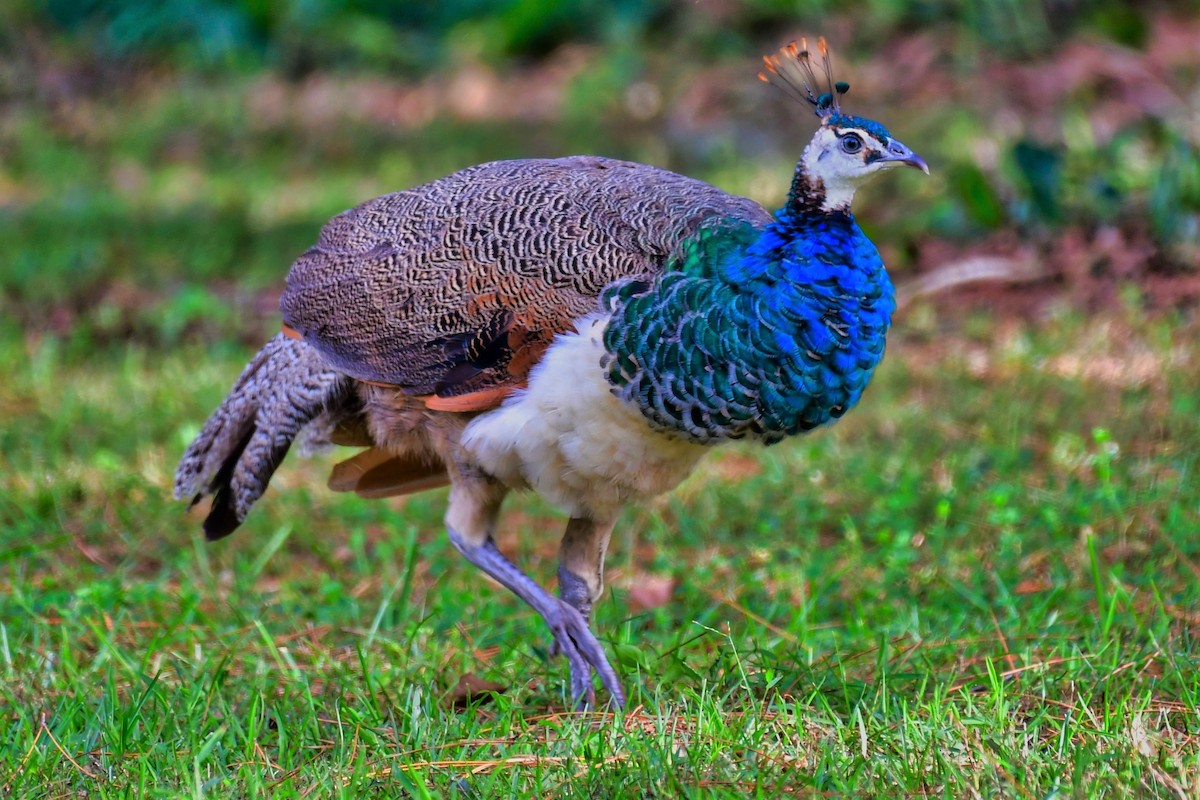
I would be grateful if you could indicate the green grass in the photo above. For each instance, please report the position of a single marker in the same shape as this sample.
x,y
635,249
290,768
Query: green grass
x,y
982,583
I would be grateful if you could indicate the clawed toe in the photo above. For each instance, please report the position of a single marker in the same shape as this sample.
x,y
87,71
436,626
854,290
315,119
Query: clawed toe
x,y
556,649
574,639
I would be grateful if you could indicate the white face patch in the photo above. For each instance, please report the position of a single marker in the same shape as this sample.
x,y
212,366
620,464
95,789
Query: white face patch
x,y
839,172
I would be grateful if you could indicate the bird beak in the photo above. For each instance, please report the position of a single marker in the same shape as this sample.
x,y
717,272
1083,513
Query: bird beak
x,y
899,153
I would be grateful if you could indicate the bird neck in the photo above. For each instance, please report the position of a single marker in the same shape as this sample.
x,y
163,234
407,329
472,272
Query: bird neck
x,y
813,194
753,332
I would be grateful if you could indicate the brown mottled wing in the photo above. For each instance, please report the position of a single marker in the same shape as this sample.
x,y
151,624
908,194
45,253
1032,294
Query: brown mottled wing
x,y
454,289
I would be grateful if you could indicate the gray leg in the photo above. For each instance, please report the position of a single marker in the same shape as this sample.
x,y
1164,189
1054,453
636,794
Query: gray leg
x,y
581,563
474,504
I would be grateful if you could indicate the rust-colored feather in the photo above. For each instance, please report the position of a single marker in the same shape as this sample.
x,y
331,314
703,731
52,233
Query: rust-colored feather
x,y
481,400
375,473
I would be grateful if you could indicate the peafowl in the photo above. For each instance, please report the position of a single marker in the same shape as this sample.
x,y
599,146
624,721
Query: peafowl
x,y
583,327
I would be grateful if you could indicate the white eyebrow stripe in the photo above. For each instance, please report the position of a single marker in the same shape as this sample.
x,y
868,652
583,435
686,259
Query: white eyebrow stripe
x,y
862,133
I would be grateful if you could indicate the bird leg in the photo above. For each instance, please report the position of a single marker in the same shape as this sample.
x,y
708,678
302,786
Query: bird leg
x,y
581,564
470,520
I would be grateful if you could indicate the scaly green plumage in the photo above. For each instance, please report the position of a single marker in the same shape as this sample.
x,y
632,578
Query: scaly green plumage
x,y
753,332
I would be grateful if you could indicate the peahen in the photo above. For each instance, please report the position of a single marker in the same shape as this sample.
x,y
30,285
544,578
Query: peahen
x,y
582,327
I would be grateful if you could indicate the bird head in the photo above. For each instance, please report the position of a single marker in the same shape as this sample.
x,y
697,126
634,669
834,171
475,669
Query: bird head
x,y
846,150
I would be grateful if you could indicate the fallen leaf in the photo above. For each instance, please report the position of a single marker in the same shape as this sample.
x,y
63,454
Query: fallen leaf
x,y
1144,741
472,687
1032,586
650,591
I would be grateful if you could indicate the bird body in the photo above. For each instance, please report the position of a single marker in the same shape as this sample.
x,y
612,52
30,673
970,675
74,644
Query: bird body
x,y
583,327
574,441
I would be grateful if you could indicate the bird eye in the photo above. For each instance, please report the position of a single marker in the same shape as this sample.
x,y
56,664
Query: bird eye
x,y
851,143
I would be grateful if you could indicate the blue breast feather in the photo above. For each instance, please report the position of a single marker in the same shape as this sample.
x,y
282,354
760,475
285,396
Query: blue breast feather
x,y
763,333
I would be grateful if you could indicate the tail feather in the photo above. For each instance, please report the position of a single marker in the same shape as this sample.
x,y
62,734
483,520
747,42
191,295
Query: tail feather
x,y
286,386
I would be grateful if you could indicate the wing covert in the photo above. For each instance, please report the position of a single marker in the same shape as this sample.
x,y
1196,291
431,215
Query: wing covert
x,y
455,288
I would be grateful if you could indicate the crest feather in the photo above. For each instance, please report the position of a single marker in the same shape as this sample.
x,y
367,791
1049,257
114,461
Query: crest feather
x,y
790,69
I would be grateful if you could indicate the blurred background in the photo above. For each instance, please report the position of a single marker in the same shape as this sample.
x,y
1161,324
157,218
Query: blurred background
x,y
163,162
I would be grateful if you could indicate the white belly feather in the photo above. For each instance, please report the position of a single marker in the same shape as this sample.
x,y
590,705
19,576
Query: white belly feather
x,y
571,440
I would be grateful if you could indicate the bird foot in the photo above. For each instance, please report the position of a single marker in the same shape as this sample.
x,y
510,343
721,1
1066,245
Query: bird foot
x,y
573,636
573,591
574,639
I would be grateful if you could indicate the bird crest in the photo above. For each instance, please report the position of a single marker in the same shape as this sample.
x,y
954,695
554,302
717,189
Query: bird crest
x,y
791,71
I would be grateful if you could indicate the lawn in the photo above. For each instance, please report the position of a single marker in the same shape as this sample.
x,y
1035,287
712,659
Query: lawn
x,y
984,582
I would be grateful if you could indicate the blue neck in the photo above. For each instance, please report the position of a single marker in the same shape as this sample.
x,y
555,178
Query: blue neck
x,y
764,333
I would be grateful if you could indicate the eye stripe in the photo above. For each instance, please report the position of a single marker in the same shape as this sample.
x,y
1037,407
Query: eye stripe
x,y
862,134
